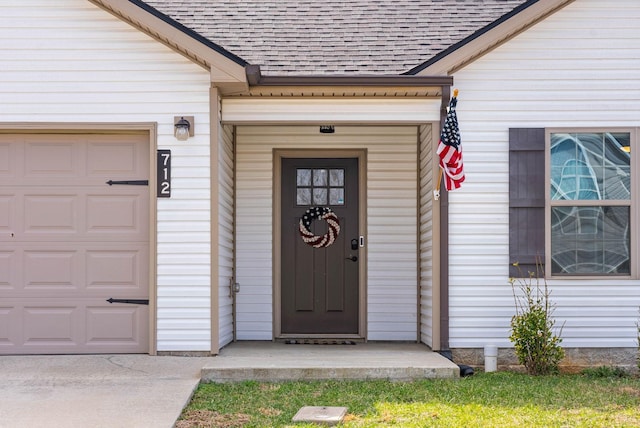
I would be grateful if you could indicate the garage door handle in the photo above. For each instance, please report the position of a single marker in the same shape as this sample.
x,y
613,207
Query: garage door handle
x,y
129,182
132,301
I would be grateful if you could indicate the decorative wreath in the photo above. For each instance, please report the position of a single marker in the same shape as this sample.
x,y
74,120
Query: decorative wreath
x,y
332,222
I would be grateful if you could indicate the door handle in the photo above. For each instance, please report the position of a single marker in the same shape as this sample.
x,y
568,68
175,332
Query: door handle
x,y
352,258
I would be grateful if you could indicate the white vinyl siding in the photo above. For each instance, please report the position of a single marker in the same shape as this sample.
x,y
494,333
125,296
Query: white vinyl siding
x,y
392,223
577,68
427,185
69,61
226,234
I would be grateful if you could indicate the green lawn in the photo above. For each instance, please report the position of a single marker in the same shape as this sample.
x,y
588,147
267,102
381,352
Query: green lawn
x,y
500,399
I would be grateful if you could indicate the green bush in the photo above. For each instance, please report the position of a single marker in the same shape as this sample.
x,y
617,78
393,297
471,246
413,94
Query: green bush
x,y
532,327
604,372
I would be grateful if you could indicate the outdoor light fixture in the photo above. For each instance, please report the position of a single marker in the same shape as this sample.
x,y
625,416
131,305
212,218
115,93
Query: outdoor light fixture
x,y
184,127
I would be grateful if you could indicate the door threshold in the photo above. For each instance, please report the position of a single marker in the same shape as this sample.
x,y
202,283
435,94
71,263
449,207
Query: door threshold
x,y
321,341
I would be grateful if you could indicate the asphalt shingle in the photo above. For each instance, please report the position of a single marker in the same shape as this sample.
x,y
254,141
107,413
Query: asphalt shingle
x,y
335,36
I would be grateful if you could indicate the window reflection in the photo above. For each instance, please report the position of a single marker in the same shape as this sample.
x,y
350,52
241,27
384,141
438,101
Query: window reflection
x,y
590,167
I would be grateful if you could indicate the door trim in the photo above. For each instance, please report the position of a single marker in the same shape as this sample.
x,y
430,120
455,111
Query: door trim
x,y
278,155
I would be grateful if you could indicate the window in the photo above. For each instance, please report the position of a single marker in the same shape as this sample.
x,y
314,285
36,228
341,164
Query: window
x,y
590,203
320,186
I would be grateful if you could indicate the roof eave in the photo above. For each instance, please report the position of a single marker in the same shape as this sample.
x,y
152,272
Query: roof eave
x,y
255,78
489,37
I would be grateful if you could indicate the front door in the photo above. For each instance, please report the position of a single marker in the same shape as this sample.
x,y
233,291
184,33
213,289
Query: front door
x,y
320,242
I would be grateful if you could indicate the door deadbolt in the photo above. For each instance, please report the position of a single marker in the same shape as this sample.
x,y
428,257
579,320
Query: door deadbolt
x,y
354,244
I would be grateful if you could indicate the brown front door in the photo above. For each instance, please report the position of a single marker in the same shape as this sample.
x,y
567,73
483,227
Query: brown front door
x,y
319,287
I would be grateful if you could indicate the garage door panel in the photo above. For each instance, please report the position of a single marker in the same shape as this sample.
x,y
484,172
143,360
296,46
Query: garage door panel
x,y
111,214
50,214
118,213
8,336
55,270
7,168
116,159
50,272
7,203
53,156
115,324
69,242
121,272
50,325
10,271
88,326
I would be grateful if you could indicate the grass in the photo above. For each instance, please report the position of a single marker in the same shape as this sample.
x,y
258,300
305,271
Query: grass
x,y
501,399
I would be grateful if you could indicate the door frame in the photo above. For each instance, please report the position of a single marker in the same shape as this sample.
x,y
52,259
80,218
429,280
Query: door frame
x,y
278,155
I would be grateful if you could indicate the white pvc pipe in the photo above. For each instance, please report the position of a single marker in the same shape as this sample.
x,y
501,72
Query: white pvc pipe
x,y
490,358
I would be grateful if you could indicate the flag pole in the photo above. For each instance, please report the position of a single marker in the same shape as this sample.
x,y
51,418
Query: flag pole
x,y
436,192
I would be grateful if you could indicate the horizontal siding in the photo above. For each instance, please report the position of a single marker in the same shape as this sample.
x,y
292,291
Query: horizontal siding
x,y
293,110
577,68
69,61
392,223
226,235
426,233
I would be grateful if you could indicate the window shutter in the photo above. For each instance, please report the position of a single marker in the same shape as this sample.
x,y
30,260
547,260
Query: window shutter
x,y
526,199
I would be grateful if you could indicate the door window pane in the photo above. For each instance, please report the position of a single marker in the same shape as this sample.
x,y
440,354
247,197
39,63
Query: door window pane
x,y
319,177
320,196
336,196
336,177
303,177
303,197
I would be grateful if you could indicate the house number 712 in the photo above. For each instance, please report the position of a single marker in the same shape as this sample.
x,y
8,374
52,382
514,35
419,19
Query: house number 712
x,y
164,174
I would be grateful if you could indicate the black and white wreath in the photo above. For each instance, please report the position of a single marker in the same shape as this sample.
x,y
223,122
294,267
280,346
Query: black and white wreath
x,y
321,213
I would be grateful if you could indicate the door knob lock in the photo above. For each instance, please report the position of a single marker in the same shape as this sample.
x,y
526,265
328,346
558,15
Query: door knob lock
x,y
352,258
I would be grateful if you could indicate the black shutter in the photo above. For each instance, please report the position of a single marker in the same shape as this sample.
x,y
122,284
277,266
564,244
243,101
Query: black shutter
x,y
526,199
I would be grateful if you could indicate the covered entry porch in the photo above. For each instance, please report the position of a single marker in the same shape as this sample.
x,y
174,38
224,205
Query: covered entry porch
x,y
392,132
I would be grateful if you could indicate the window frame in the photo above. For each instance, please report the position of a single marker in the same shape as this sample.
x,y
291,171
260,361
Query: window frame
x,y
633,203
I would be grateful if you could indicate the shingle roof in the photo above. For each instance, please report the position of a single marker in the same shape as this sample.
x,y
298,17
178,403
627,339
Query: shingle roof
x,y
335,36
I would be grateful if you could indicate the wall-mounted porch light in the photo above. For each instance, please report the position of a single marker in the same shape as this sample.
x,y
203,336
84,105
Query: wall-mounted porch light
x,y
183,127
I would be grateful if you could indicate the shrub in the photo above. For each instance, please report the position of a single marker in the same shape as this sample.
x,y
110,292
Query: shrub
x,y
536,345
604,372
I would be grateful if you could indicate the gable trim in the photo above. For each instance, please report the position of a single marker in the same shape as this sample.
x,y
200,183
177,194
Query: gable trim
x,y
489,37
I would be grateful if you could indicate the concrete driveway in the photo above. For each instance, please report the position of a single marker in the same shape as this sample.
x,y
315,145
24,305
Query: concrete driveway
x,y
96,390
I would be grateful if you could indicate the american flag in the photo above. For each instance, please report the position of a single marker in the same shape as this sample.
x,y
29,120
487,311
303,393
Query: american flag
x,y
450,151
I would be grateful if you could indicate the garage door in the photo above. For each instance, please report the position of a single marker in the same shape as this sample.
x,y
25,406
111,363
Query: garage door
x,y
69,242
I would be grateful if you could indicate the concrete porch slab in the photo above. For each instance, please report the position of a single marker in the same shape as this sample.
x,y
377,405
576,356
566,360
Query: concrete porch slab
x,y
272,362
